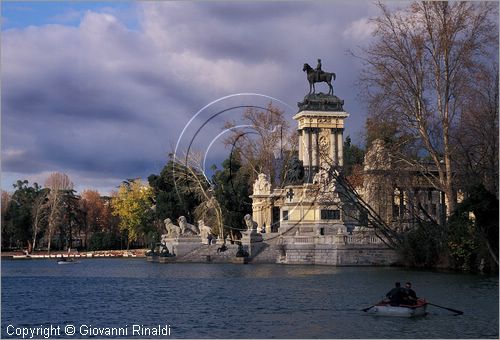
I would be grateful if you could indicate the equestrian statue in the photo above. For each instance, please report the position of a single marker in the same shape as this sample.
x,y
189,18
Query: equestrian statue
x,y
318,76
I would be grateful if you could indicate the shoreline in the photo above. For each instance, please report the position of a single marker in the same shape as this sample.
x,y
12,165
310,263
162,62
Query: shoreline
x,y
17,255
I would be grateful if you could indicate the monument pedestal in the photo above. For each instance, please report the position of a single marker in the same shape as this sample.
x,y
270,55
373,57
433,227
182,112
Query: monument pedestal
x,y
252,242
183,244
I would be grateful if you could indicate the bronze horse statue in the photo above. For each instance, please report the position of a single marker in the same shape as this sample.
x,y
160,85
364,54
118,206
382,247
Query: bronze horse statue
x,y
313,77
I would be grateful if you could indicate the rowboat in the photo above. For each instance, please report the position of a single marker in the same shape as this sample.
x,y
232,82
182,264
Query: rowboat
x,y
385,309
69,261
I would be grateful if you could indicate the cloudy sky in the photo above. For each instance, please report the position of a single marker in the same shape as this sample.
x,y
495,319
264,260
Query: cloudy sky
x,y
103,91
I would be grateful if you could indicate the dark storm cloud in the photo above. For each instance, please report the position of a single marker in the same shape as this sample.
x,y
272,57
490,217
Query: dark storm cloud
x,y
103,102
236,13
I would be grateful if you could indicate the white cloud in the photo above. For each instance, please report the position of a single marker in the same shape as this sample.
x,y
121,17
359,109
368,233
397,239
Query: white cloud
x,y
359,30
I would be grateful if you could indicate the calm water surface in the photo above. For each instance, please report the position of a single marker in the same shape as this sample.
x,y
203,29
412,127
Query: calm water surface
x,y
241,301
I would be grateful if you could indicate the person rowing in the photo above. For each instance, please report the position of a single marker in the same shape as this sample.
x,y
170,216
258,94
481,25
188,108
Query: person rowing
x,y
409,297
396,295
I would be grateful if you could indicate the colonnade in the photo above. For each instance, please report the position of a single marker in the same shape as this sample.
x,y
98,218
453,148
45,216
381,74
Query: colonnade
x,y
310,151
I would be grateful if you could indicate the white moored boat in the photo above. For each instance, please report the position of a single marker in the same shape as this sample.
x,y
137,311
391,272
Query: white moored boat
x,y
67,261
385,309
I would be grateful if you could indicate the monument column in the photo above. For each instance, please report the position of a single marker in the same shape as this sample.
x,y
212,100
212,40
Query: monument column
x,y
333,147
314,153
301,144
314,118
340,144
306,153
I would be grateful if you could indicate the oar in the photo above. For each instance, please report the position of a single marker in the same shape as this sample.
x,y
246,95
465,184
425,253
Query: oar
x,y
459,312
366,309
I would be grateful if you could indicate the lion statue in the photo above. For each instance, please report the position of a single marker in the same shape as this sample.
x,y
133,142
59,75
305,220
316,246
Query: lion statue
x,y
250,223
186,228
172,229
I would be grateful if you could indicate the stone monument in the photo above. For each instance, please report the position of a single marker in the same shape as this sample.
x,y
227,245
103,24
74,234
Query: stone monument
x,y
251,240
261,203
205,231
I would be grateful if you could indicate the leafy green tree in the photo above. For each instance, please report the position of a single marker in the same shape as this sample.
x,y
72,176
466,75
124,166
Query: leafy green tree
x,y
461,241
473,229
232,193
132,203
424,245
353,155
18,228
103,240
72,218
173,198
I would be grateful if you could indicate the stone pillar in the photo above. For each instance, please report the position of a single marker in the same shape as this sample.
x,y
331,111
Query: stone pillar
x,y
314,151
340,143
301,145
333,147
257,212
268,216
306,154
252,242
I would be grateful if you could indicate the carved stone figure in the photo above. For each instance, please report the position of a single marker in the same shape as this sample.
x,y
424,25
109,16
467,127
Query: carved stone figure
x,y
318,76
325,181
250,223
172,229
295,172
262,185
186,228
205,230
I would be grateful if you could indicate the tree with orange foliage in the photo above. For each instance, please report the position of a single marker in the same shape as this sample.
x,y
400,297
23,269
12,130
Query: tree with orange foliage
x,y
94,213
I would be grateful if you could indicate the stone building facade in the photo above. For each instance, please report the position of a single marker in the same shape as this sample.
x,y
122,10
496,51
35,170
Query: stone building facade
x,y
398,192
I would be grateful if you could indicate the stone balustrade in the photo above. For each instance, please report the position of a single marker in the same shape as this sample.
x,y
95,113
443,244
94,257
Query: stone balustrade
x,y
365,239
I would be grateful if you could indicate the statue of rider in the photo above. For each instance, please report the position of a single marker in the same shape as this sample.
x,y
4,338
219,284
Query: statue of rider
x,y
318,70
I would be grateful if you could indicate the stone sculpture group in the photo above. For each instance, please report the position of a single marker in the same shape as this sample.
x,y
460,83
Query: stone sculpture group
x,y
185,229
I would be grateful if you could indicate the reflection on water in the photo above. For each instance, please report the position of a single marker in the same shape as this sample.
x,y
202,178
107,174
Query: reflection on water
x,y
242,301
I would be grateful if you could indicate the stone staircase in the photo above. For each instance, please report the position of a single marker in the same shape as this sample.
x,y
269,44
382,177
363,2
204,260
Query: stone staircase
x,y
208,253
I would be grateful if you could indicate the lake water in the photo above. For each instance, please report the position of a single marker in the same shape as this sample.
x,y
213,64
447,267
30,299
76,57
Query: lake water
x,y
236,301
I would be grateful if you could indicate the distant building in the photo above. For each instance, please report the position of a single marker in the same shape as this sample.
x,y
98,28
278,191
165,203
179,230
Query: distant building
x,y
398,192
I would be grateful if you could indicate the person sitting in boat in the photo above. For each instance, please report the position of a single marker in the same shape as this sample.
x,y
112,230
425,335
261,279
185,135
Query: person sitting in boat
x,y
410,297
395,295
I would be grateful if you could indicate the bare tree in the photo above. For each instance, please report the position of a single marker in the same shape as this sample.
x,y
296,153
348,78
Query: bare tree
x,y
58,183
266,139
39,214
188,174
477,132
419,69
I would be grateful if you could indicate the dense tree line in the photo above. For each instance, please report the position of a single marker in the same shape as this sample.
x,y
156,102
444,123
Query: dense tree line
x,y
54,217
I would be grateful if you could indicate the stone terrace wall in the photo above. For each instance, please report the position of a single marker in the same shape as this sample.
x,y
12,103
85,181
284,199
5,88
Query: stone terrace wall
x,y
339,255
269,253
365,255
335,250
208,253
